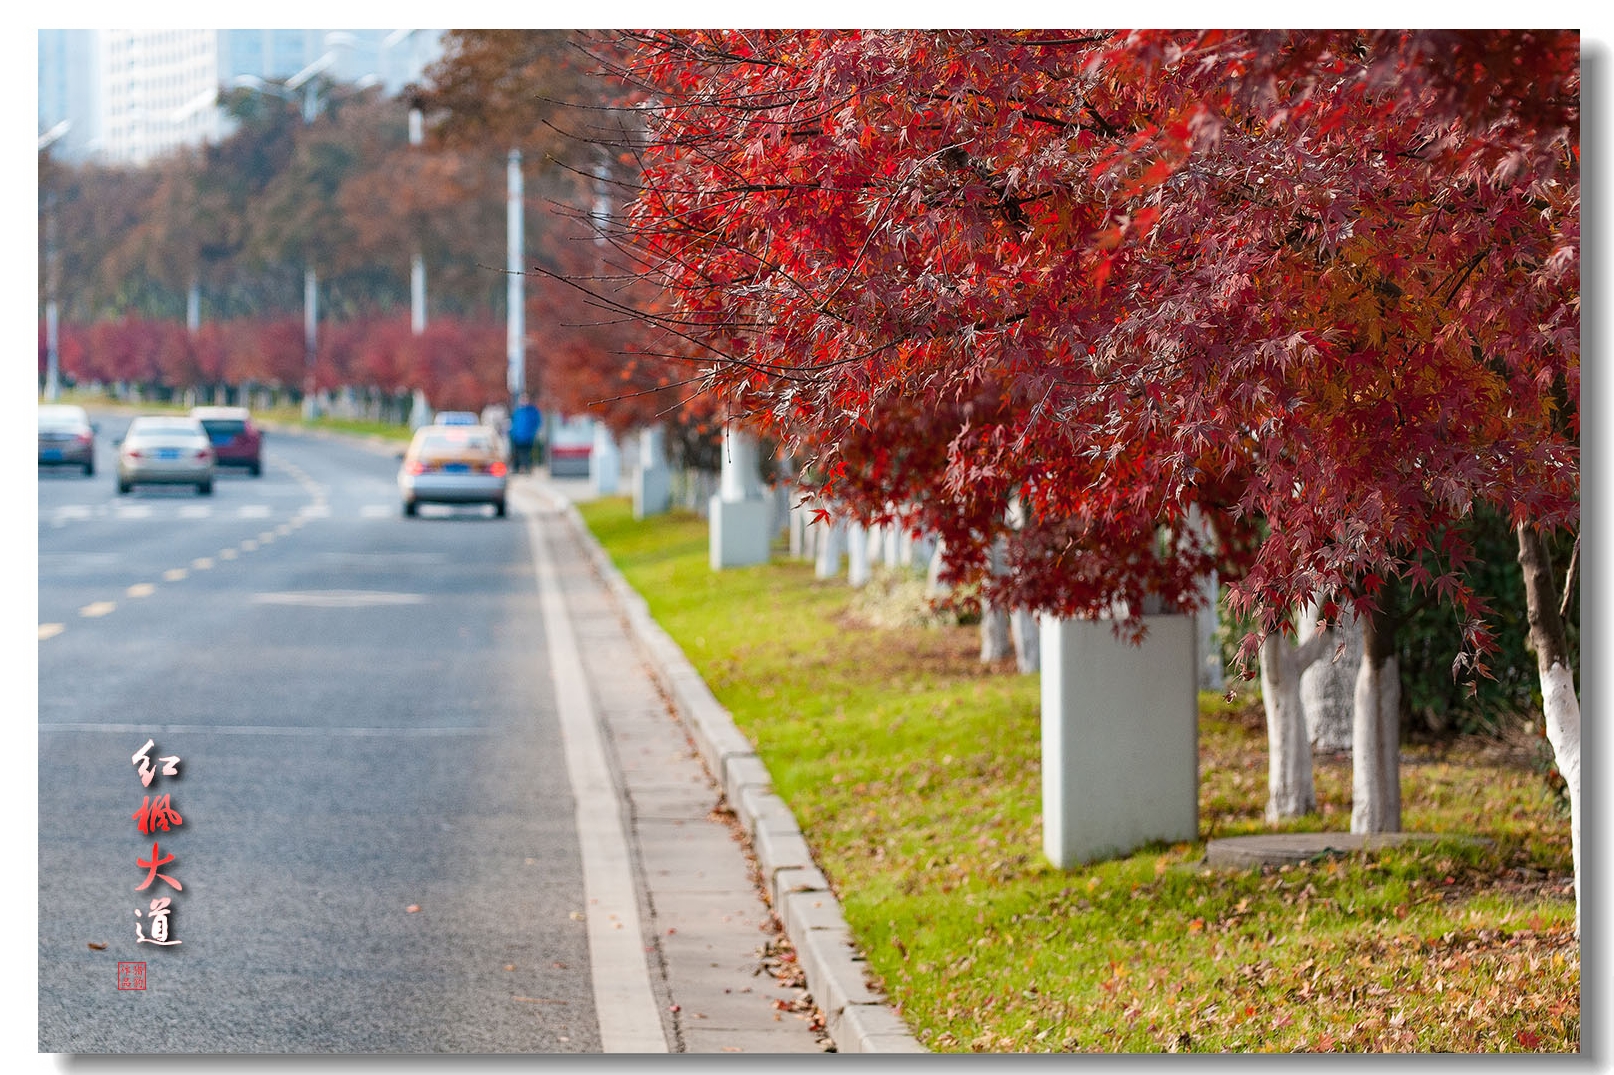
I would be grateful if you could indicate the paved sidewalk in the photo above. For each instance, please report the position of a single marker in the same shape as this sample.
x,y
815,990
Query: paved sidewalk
x,y
706,928
857,1018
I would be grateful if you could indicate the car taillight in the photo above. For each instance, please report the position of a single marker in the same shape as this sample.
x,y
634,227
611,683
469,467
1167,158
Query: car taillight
x,y
417,467
84,438
132,453
496,469
203,453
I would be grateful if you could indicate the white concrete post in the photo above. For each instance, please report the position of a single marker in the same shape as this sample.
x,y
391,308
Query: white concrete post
x,y
652,485
1120,738
737,516
604,462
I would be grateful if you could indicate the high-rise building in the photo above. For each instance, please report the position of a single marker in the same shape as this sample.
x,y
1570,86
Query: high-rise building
x,y
130,96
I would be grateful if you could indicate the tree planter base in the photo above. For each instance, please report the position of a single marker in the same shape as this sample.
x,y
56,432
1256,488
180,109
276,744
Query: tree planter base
x,y
739,532
1120,738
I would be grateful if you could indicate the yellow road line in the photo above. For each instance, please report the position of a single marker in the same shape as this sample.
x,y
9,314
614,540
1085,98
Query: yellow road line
x,y
226,554
174,574
248,545
202,563
97,608
141,589
50,630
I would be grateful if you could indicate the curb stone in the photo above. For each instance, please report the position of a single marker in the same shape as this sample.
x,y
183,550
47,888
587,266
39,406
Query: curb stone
x,y
858,1019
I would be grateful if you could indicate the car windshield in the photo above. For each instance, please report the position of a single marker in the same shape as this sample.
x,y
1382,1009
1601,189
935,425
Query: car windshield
x,y
455,440
142,427
223,427
61,420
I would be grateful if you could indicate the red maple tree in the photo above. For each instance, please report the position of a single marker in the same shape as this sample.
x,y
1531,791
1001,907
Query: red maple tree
x,y
1323,286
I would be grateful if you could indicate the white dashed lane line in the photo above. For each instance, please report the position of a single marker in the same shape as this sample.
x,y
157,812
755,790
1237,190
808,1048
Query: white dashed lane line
x,y
320,509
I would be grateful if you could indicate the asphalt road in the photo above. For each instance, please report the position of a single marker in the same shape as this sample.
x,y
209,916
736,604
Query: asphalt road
x,y
378,848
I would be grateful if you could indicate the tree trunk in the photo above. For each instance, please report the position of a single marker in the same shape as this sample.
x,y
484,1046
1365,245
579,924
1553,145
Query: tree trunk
x,y
1023,629
935,588
994,618
1376,731
831,539
1328,686
1290,790
857,555
1559,703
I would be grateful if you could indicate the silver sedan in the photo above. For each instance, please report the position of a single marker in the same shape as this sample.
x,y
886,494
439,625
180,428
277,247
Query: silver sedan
x,y
167,450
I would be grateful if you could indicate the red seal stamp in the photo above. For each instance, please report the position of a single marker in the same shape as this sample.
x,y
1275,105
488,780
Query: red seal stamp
x,y
131,976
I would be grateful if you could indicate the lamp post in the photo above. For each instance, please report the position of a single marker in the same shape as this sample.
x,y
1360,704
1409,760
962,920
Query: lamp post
x,y
287,91
52,272
516,334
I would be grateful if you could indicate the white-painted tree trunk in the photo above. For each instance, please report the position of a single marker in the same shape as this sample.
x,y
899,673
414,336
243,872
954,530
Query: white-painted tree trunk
x,y
830,538
1559,704
1561,708
1328,687
995,645
1290,789
1376,736
1023,629
857,555
934,586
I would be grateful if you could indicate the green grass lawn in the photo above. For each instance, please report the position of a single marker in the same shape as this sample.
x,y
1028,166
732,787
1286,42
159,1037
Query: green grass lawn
x,y
914,772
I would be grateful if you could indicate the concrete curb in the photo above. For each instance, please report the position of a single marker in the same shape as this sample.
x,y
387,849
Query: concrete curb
x,y
859,1019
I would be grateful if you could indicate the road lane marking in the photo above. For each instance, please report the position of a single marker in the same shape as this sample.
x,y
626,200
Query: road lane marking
x,y
377,511
283,529
194,511
141,589
75,511
51,630
253,511
226,554
248,545
132,511
337,598
624,1004
97,608
287,730
202,563
174,574
266,537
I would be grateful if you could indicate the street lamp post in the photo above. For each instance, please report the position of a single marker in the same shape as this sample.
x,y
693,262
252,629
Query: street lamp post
x,y
516,336
417,262
52,273
302,79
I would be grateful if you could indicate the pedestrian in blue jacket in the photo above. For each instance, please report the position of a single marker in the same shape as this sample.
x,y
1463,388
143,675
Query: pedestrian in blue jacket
x,y
523,432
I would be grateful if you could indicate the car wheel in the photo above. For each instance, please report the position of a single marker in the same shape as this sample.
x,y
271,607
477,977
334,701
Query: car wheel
x,y
498,508
123,487
204,488
256,470
409,508
89,470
